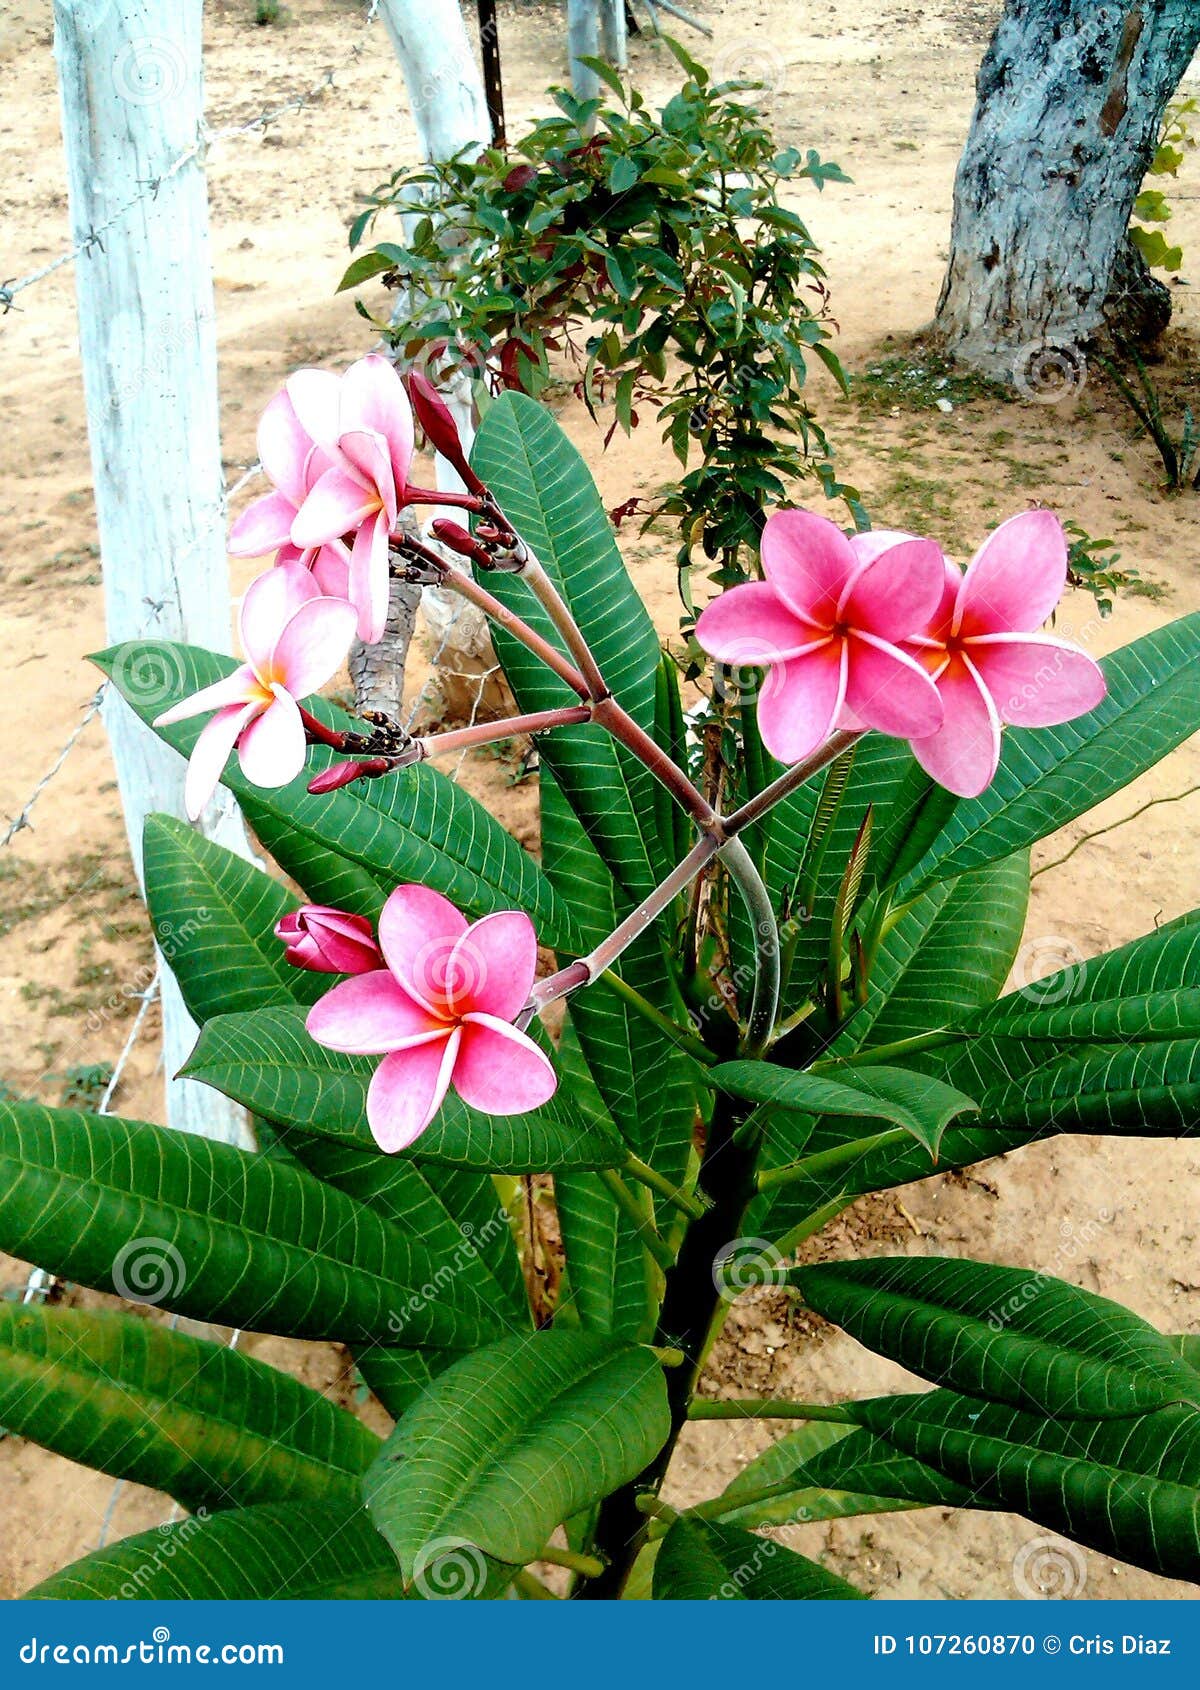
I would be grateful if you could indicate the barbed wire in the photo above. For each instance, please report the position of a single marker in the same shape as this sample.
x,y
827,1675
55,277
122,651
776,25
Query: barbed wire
x,y
208,137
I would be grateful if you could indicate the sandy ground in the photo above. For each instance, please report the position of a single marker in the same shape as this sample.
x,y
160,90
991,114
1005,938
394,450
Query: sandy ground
x,y
884,88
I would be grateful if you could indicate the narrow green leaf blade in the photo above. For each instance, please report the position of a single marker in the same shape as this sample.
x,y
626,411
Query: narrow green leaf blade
x,y
702,1561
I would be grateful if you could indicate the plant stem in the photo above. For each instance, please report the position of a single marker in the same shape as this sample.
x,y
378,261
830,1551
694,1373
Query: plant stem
x,y
900,1047
621,725
552,602
682,1036
788,781
641,1171
531,1587
766,1408
833,1160
589,1566
632,1210
486,733
812,1223
654,1508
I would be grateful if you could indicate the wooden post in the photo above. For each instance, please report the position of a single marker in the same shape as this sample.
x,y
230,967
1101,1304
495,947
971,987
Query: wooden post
x,y
493,81
130,82
583,41
614,45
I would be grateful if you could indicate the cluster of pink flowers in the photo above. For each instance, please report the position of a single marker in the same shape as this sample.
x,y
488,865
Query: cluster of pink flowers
x,y
436,997
881,631
338,452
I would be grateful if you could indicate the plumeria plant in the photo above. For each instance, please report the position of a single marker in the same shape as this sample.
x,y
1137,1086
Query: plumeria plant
x,y
711,1027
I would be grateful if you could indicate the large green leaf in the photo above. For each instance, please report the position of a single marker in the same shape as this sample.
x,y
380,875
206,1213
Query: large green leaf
x,y
1147,1090
1129,1488
548,494
216,1233
299,1552
767,1491
214,916
512,1441
645,1083
1006,1334
267,1061
701,1561
363,840
1048,776
201,1421
918,1103
607,1265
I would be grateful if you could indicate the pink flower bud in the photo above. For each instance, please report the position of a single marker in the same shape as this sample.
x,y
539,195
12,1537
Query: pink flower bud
x,y
344,774
433,414
328,941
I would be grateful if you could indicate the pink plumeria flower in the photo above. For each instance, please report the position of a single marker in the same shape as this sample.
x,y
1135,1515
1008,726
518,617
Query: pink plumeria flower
x,y
989,662
363,423
295,640
827,623
440,1013
328,941
293,463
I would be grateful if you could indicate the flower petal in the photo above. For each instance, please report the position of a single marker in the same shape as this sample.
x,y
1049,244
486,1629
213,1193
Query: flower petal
x,y
330,567
367,455
272,749
263,526
268,604
897,592
492,966
800,702
890,691
239,688
408,1089
337,505
963,754
315,397
500,1070
808,560
418,930
367,579
867,547
370,1014
313,645
373,397
210,753
1015,578
284,447
750,627
1035,680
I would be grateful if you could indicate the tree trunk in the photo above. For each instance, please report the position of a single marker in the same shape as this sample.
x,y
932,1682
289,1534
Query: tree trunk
x,y
583,41
131,89
614,33
1071,96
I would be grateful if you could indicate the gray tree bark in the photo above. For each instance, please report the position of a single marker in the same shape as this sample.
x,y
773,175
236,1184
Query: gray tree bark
x,y
1070,98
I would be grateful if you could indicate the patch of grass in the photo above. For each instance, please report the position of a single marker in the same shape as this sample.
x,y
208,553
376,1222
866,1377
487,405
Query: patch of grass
x,y
84,1084
917,380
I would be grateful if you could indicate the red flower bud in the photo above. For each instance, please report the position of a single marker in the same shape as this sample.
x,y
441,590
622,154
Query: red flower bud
x,y
343,774
328,941
438,425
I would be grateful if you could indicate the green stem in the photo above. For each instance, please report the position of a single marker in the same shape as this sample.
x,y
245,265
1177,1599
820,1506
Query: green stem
x,y
812,1223
654,1508
531,1588
831,1161
766,1408
900,1047
632,1210
587,1566
764,1000
681,1036
641,1171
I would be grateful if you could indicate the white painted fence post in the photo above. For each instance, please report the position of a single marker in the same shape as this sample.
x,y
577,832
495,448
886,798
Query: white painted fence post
x,y
131,87
450,110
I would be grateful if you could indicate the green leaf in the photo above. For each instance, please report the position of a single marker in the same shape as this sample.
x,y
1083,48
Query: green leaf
x,y
548,494
200,1421
218,1234
769,1490
267,1061
916,1102
214,916
299,1551
700,1561
370,264
1048,776
606,1264
353,846
1005,1334
1144,1089
512,1441
1125,1487
1187,1344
